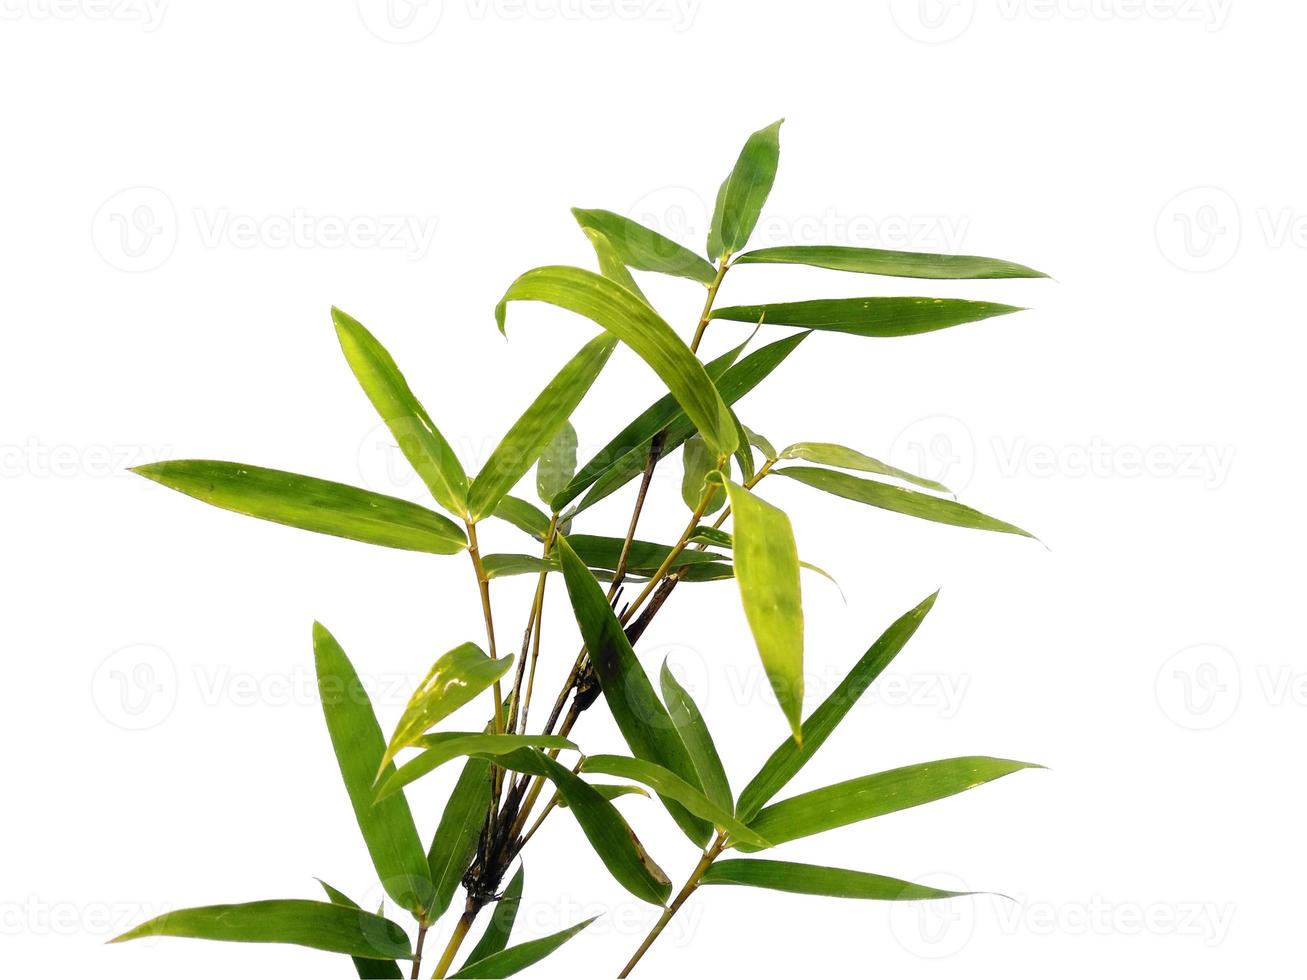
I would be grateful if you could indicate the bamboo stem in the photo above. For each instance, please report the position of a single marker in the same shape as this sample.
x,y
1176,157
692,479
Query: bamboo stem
x,y
688,889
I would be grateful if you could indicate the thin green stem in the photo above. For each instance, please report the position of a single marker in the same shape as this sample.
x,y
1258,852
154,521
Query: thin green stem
x,y
688,889
455,941
706,315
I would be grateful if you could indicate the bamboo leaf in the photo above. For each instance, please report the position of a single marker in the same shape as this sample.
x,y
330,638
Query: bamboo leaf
x,y
643,248
640,328
697,463
743,451
745,190
898,499
611,792
299,922
501,922
882,262
644,557
503,565
698,740
634,440
310,504
455,842
388,829
872,316
761,442
519,957
668,784
523,515
419,439
454,679
876,795
606,829
734,383
611,265
812,879
444,747
557,463
841,457
790,756
367,969
533,432
767,570
641,717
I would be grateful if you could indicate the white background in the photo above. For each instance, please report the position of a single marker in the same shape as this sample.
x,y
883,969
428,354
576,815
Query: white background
x,y
163,744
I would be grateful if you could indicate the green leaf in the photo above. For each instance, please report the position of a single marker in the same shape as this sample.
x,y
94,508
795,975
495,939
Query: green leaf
x,y
898,499
557,463
601,551
299,922
761,442
743,451
641,717
735,382
698,740
872,316
419,439
882,262
875,795
611,264
523,515
606,829
790,756
454,844
612,792
640,328
697,464
813,879
388,829
454,679
446,746
534,431
310,504
745,190
501,566
367,969
643,248
669,785
829,454
501,922
767,570
519,957
635,439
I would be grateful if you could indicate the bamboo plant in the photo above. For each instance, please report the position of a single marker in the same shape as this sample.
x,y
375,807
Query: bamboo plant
x,y
528,763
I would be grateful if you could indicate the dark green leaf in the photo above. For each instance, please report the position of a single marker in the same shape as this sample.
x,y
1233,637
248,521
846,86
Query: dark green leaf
x,y
318,925
419,439
523,515
698,740
744,451
881,262
530,434
875,795
872,316
311,504
745,190
671,786
455,842
500,566
790,756
829,454
454,679
640,328
519,957
388,829
443,747
366,968
606,829
501,922
697,463
643,248
599,551
644,722
767,570
557,463
812,879
612,792
898,499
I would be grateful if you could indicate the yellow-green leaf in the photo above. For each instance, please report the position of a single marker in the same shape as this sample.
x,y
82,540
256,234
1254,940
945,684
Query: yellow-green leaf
x,y
871,316
883,262
643,248
813,879
745,190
